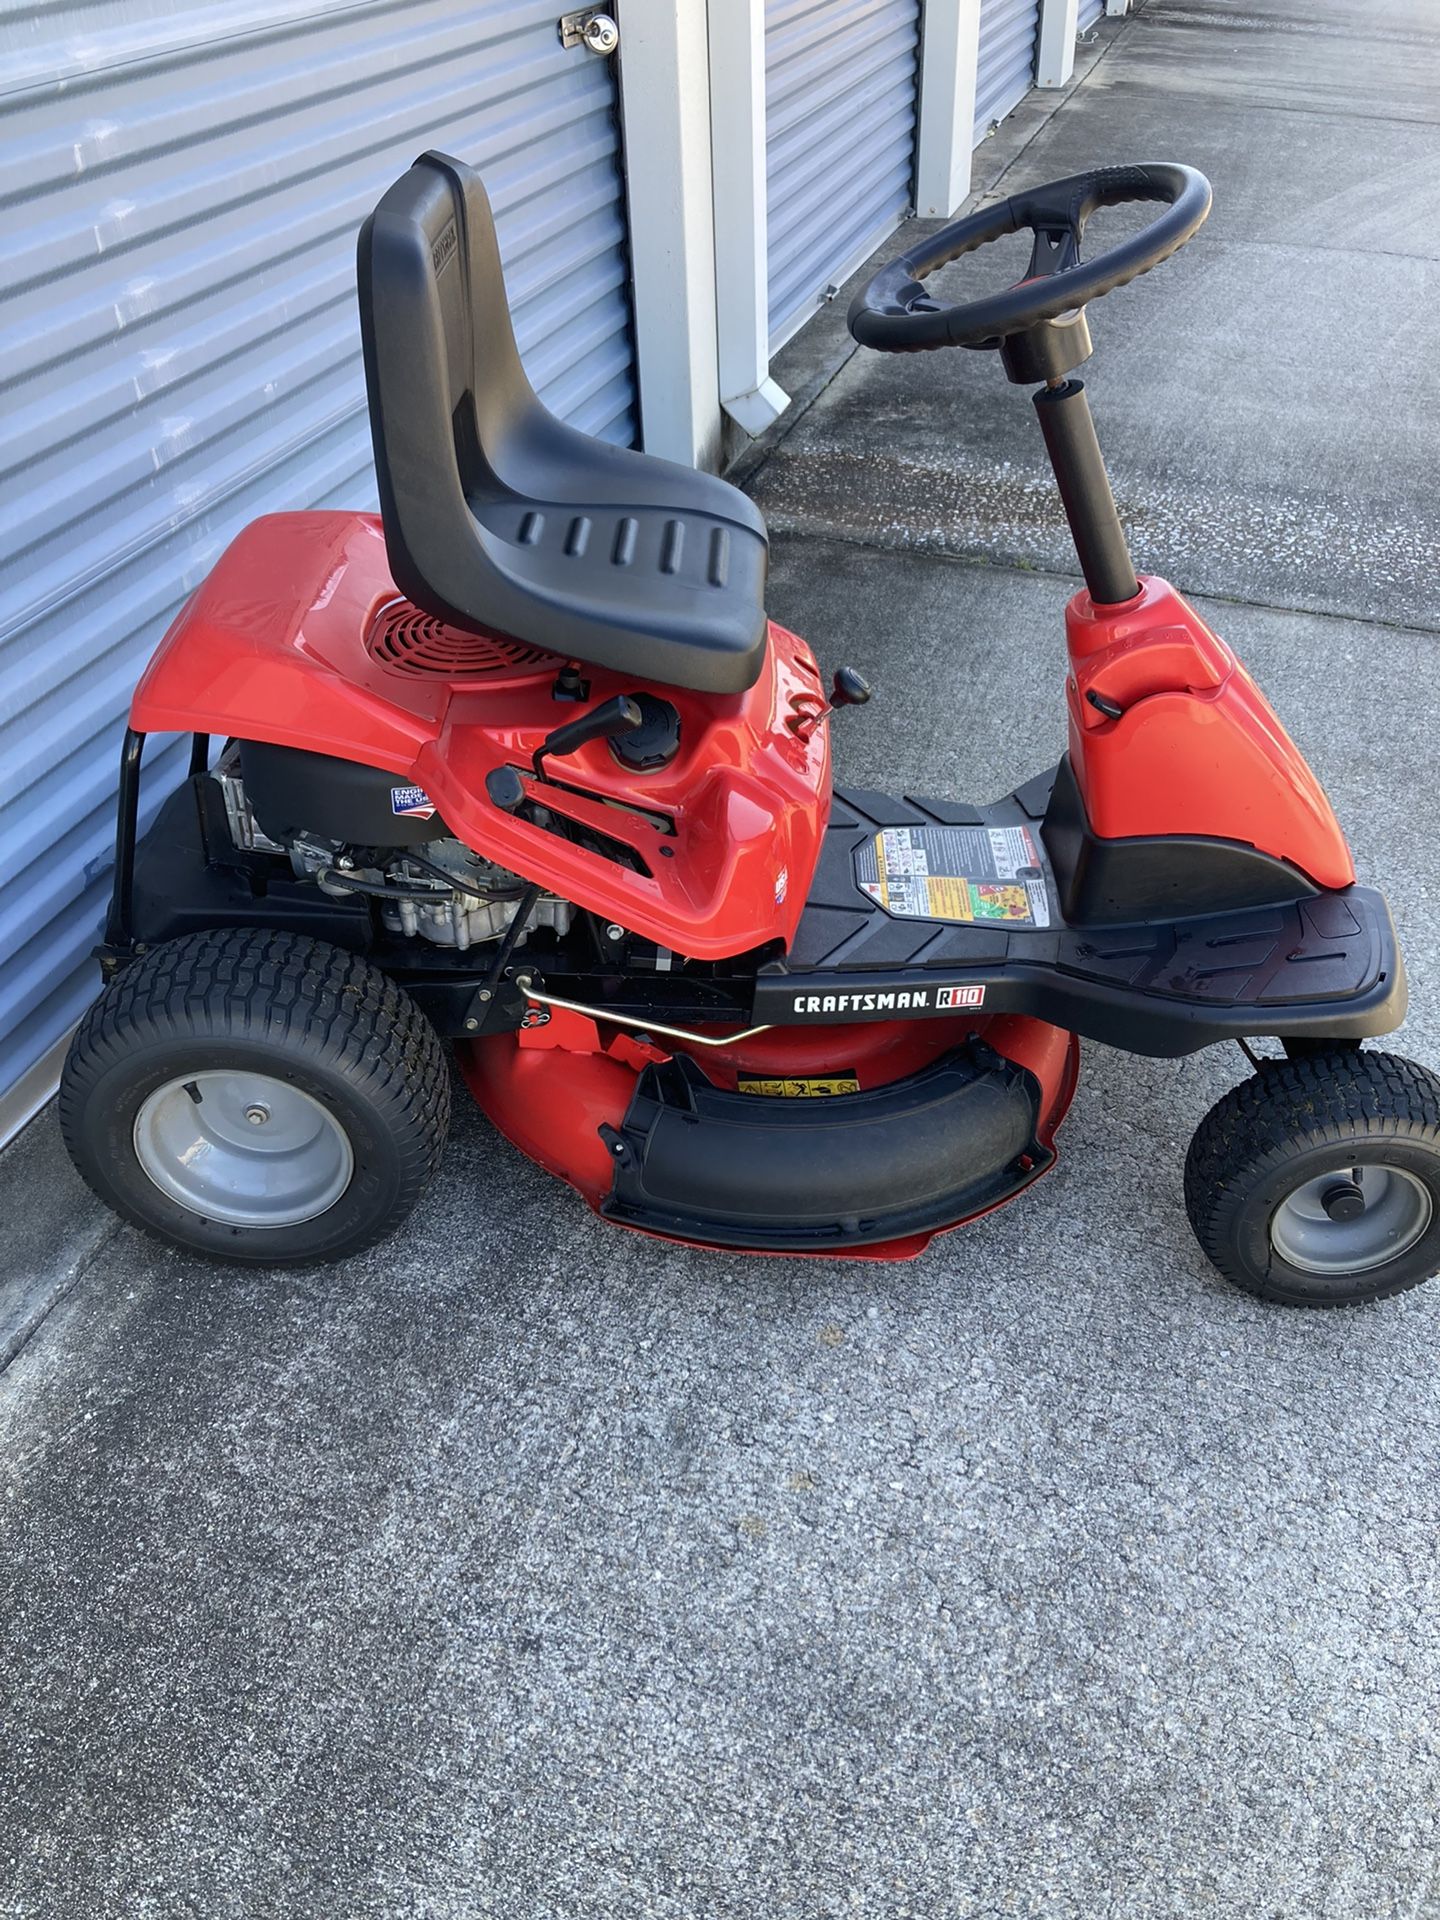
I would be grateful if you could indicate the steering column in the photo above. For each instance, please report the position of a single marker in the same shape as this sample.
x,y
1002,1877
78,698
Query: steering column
x,y
1039,327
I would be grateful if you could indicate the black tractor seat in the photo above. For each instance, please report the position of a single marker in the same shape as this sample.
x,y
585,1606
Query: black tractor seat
x,y
501,519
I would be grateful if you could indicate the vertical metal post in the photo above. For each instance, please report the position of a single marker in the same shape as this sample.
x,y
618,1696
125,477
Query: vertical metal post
x,y
665,125
1055,48
127,814
736,39
945,136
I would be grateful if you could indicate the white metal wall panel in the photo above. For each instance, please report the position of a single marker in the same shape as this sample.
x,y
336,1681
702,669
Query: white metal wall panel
x,y
180,190
1090,12
1008,32
840,90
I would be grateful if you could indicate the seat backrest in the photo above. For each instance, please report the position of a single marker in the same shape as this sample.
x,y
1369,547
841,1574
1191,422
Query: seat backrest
x,y
447,392
490,503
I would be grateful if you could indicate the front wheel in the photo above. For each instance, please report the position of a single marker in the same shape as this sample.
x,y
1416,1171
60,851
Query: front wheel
x,y
260,1096
1317,1181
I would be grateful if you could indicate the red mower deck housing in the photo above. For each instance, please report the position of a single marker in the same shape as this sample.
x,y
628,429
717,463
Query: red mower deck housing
x,y
559,1091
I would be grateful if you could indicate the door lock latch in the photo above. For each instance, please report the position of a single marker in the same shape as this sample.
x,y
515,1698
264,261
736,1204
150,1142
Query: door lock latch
x,y
586,27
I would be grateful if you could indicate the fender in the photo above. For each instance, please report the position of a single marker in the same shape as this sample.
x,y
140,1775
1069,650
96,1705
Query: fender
x,y
1170,735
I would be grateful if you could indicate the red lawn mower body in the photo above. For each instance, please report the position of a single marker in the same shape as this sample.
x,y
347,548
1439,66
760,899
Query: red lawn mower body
x,y
300,638
521,764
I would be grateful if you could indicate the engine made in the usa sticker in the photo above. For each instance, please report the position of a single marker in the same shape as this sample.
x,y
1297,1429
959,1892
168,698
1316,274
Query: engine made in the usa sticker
x,y
411,803
956,874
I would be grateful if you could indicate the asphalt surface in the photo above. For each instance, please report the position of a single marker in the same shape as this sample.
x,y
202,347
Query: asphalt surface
x,y
530,1569
1267,399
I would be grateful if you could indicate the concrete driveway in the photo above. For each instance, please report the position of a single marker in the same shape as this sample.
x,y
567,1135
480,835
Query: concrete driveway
x,y
525,1568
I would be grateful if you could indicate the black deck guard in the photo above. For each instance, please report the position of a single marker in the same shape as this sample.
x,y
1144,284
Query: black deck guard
x,y
696,1162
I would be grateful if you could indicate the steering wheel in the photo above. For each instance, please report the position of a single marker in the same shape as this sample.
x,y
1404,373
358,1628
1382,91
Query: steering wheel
x,y
894,312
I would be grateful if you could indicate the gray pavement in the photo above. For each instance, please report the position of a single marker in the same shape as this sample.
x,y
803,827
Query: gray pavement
x,y
530,1569
1267,401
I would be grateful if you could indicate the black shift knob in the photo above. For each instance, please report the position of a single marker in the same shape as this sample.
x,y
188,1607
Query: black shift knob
x,y
611,717
850,689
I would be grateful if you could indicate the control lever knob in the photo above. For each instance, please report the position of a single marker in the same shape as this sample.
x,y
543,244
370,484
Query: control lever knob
x,y
849,688
605,722
505,788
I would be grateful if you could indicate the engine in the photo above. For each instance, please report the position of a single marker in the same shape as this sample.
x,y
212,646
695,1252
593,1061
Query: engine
x,y
437,890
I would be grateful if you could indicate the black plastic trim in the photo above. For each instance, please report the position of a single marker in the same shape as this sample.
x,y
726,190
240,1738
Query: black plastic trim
x,y
293,791
694,1161
1154,876
1327,965
127,814
1322,967
188,877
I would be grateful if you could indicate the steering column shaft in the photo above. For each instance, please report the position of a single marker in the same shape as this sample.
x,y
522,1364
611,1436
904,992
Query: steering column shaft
x,y
1100,543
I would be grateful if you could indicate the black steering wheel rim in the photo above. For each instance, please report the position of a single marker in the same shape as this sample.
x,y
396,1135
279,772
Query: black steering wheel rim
x,y
894,313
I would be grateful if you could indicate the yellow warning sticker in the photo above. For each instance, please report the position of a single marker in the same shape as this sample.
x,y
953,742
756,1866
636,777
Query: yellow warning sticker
x,y
811,1087
956,874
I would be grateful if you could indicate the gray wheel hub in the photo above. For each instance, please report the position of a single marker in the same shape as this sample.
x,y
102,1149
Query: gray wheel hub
x,y
243,1149
1351,1220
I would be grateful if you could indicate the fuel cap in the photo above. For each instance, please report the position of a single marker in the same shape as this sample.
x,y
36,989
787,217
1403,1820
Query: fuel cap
x,y
655,742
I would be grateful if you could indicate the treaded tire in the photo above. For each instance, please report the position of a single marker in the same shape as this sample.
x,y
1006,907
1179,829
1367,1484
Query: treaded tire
x,y
297,1010
1292,1122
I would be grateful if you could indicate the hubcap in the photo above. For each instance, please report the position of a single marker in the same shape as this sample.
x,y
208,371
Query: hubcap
x,y
1351,1220
243,1149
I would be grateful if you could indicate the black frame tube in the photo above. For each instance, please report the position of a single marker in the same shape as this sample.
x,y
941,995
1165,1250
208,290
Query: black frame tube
x,y
127,814
482,1002
511,937
1100,544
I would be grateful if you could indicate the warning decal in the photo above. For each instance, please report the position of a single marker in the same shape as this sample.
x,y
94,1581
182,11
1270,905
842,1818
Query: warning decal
x,y
956,873
808,1087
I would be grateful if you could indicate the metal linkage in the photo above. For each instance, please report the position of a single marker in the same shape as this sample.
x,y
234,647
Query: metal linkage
x,y
524,982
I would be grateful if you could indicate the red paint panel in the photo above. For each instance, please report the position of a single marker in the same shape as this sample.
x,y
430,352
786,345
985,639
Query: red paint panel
x,y
1198,748
273,647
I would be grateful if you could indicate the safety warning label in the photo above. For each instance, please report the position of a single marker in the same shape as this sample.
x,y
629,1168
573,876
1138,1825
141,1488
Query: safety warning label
x,y
956,873
806,1087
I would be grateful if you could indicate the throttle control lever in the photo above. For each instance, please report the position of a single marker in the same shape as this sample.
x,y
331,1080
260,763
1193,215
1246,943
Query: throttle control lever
x,y
605,722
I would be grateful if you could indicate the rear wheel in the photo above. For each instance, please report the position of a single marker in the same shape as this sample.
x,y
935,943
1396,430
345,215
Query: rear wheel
x,y
1317,1181
261,1096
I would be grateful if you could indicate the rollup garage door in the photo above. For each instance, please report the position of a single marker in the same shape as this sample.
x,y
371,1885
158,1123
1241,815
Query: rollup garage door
x,y
1090,12
179,352
840,91
1008,31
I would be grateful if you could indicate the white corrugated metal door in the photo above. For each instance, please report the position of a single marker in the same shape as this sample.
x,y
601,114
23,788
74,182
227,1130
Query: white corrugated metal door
x,y
179,349
1008,32
1090,12
840,87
